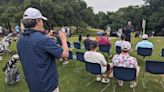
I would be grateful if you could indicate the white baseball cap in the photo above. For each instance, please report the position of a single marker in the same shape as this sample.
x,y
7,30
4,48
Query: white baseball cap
x,y
145,36
126,46
33,13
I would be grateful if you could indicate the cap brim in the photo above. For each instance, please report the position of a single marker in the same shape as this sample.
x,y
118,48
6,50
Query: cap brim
x,y
125,49
44,18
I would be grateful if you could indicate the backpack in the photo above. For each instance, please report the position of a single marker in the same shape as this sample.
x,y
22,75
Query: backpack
x,y
12,74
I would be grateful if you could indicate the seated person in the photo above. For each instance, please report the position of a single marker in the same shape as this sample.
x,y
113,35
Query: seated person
x,y
144,43
95,57
127,61
103,40
121,41
97,38
87,42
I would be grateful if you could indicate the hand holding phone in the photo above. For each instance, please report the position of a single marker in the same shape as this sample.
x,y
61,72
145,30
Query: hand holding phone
x,y
62,36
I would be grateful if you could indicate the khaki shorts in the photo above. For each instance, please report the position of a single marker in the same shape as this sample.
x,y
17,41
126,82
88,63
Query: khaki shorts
x,y
56,90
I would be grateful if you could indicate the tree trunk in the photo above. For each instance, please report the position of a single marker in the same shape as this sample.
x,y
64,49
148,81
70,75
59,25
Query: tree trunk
x,y
77,28
9,27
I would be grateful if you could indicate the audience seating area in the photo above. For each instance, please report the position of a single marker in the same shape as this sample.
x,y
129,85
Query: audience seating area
x,y
85,72
119,73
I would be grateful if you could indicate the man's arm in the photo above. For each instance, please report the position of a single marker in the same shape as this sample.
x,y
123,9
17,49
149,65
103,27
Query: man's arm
x,y
64,44
51,47
102,60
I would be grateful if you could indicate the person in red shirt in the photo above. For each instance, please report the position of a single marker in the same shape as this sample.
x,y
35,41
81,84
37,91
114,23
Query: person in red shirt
x,y
103,40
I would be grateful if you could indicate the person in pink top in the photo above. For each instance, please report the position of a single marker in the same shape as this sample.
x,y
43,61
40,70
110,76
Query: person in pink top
x,y
104,40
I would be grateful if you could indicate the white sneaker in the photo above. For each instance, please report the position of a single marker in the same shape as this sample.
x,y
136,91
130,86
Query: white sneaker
x,y
65,62
105,80
133,84
120,83
98,78
61,59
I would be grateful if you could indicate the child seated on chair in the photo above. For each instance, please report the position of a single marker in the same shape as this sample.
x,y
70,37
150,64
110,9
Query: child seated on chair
x,y
127,61
95,57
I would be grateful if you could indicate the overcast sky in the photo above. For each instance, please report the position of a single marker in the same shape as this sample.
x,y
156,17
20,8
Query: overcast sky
x,y
111,5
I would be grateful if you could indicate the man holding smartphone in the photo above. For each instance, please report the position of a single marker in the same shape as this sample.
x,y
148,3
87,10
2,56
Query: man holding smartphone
x,y
38,52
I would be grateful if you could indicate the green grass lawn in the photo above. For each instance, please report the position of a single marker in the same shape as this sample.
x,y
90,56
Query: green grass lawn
x,y
71,81
92,32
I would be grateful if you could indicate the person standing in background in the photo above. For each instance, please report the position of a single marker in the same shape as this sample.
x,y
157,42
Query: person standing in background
x,y
17,29
119,33
127,31
80,37
153,33
108,30
1,31
22,28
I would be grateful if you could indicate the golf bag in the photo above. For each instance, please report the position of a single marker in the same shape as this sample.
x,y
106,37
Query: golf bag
x,y
12,74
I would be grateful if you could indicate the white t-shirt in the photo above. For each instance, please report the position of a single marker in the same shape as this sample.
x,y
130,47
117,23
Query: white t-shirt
x,y
96,57
119,43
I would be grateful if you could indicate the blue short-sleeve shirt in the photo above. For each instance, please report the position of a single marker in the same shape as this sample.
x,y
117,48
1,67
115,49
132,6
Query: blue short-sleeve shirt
x,y
144,44
37,54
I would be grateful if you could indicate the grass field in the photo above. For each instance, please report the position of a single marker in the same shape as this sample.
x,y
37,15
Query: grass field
x,y
71,81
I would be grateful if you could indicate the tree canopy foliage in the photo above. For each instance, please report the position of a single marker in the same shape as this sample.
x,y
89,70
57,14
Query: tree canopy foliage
x,y
77,13
59,12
